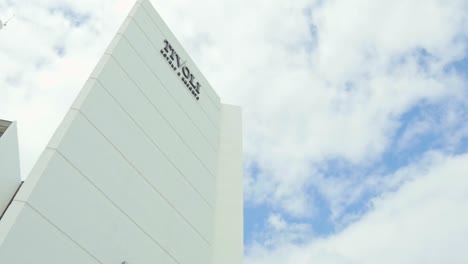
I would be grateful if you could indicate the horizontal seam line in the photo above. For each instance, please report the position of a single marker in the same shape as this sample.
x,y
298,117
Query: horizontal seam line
x,y
114,204
167,91
60,230
157,110
141,175
148,137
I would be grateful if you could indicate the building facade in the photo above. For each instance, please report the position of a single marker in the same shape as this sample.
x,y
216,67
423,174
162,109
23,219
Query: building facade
x,y
146,166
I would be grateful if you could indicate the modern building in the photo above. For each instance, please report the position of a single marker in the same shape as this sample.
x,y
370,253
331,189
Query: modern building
x,y
146,166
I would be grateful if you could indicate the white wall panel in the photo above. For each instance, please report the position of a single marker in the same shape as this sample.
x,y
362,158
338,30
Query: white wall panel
x,y
115,123
10,177
86,215
108,170
162,136
182,144
32,239
142,77
106,163
164,105
228,234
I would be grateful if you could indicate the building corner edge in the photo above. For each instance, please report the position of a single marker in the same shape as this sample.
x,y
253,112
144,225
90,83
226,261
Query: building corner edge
x,y
229,228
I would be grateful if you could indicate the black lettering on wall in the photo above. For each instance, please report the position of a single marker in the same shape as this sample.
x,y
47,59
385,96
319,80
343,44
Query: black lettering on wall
x,y
183,71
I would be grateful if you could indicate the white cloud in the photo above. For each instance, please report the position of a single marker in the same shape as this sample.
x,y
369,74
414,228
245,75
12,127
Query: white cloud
x,y
425,221
344,98
279,231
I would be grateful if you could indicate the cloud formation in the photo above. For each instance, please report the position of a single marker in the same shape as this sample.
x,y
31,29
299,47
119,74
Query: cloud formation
x,y
423,222
323,80
344,102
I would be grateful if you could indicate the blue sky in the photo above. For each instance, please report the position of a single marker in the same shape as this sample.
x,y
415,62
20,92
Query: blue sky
x,y
432,138
355,112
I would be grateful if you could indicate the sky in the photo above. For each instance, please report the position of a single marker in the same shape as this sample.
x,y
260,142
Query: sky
x,y
355,113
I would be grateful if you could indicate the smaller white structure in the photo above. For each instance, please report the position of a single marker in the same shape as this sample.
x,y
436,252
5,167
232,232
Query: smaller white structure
x,y
10,178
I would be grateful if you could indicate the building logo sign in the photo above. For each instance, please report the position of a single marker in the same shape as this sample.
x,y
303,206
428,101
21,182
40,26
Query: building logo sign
x,y
182,70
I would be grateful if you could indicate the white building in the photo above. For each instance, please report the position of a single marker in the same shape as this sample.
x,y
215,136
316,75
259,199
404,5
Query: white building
x,y
146,166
